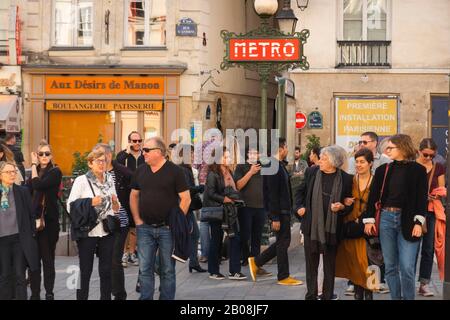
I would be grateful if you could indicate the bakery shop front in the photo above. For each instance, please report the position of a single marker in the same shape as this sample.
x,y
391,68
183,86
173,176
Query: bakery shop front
x,y
75,111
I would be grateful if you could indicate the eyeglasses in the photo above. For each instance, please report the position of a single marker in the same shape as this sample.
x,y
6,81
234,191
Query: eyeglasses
x,y
10,172
390,148
46,153
99,161
428,155
365,142
137,141
147,150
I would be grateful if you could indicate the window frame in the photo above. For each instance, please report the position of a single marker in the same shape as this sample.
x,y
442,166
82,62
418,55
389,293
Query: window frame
x,y
74,23
126,43
340,9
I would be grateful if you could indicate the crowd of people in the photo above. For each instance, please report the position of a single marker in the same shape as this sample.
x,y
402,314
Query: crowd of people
x,y
149,207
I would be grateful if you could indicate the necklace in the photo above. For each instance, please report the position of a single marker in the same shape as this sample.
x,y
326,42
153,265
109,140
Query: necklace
x,y
361,196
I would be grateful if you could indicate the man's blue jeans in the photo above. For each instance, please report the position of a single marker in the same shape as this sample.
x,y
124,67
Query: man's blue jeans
x,y
149,240
399,257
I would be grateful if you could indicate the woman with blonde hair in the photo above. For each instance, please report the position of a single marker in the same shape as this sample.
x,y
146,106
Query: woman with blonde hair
x,y
44,184
94,190
399,189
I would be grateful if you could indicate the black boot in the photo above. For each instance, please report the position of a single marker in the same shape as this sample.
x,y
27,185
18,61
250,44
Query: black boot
x,y
359,293
368,295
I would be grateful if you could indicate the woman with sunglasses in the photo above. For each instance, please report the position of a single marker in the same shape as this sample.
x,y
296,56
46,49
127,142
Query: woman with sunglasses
x,y
403,206
96,186
44,184
436,179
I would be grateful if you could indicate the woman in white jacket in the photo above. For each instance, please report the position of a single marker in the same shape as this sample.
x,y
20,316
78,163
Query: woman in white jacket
x,y
97,185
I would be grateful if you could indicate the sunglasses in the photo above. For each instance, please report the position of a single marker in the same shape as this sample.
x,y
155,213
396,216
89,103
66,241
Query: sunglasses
x,y
428,155
46,153
147,150
364,142
137,141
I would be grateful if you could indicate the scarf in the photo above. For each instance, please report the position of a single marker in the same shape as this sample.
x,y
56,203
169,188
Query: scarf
x,y
228,179
4,203
324,233
106,206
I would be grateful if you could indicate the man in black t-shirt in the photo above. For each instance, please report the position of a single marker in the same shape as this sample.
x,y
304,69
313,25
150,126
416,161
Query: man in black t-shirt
x,y
156,188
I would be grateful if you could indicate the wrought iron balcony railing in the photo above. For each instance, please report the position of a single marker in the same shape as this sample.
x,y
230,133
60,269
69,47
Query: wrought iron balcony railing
x,y
354,54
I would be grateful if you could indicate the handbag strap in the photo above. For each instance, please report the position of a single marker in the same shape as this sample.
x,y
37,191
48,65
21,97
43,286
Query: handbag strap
x,y
384,181
90,185
431,177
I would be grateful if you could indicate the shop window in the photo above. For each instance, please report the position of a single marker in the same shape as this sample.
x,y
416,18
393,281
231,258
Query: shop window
x,y
152,124
145,23
129,123
73,23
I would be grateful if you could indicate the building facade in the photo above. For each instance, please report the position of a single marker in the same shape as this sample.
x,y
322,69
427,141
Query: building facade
x,y
99,69
375,65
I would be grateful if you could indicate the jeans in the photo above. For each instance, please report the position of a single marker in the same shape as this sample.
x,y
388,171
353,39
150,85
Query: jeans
x,y
12,268
205,238
251,222
118,277
150,240
427,252
234,250
195,236
86,251
399,257
47,240
279,249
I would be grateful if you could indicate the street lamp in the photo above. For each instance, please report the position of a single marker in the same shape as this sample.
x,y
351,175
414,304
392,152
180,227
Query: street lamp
x,y
266,8
286,18
302,4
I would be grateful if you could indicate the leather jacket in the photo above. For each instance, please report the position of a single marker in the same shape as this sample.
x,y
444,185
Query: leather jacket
x,y
214,190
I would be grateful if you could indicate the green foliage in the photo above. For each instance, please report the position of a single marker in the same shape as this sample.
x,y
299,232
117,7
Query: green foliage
x,y
313,141
80,166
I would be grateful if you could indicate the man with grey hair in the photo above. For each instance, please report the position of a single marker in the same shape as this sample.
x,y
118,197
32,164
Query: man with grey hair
x,y
157,188
321,208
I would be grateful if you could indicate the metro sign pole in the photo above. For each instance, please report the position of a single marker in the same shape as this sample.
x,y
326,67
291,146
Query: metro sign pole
x,y
267,51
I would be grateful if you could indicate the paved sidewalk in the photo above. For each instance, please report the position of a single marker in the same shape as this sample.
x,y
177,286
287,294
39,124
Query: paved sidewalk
x,y
198,286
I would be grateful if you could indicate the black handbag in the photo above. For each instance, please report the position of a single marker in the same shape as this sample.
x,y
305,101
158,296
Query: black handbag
x,y
353,230
111,224
211,214
196,203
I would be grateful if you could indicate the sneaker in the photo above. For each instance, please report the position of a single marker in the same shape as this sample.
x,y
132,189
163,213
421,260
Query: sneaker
x,y
237,276
289,281
383,288
125,260
424,290
133,259
216,276
350,291
263,273
252,267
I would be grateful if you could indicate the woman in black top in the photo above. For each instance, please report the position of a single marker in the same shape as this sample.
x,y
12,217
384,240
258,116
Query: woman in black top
x,y
404,204
44,183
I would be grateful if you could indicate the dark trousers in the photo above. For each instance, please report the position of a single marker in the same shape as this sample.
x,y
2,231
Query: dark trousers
x,y
427,252
47,240
279,249
12,268
312,258
86,251
234,250
117,274
251,222
195,236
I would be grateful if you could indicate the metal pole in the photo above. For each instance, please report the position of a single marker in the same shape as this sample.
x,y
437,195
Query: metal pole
x,y
263,102
281,107
446,286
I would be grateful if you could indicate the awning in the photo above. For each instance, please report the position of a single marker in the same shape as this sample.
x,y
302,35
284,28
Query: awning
x,y
9,113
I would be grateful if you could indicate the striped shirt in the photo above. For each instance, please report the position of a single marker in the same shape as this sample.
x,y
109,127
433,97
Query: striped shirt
x,y
123,215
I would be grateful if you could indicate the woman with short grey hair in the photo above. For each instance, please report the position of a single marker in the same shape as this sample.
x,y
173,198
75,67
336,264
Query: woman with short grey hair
x,y
322,203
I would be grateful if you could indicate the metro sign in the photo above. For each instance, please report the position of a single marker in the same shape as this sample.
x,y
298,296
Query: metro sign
x,y
265,50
